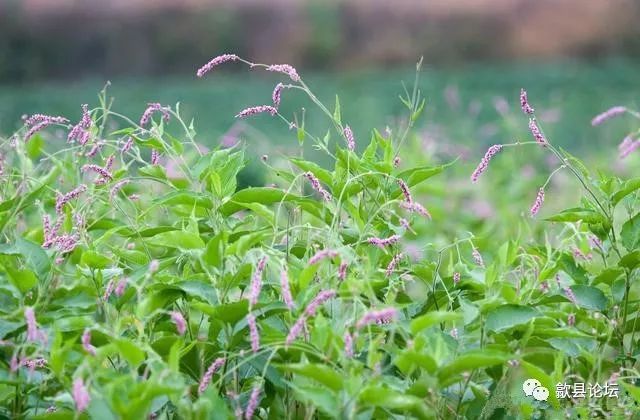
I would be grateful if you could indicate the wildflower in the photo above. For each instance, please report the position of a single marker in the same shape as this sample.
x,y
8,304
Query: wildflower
x,y
477,258
80,395
416,207
285,290
544,287
396,161
108,290
253,403
109,162
154,266
41,118
79,131
257,110
382,316
216,61
276,96
320,298
32,364
629,148
608,114
256,281
392,264
538,203
117,187
454,333
206,378
105,174
342,271
524,103
595,242
66,243
127,145
382,242
32,328
285,69
315,184
122,284
155,157
64,199
578,254
86,342
14,364
570,295
181,323
253,333
456,277
321,255
405,191
537,134
484,163
348,344
571,320
151,108
295,330
94,149
348,135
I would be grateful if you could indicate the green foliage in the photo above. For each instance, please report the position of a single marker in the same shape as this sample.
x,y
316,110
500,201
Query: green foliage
x,y
166,289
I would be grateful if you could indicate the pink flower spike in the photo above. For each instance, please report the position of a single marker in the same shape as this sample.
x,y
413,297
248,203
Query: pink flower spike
x,y
321,255
151,108
257,110
32,327
285,69
285,290
63,199
342,271
629,148
320,299
122,285
456,278
416,207
181,323
348,135
216,61
570,295
477,257
253,403
41,118
392,264
537,134
382,242
155,157
206,378
608,114
276,96
99,170
405,191
382,316
484,163
108,290
348,344
256,281
538,203
315,184
295,330
524,103
80,395
117,187
86,342
253,333
127,145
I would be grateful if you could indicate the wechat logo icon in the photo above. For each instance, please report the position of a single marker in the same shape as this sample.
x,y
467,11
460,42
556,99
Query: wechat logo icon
x,y
533,388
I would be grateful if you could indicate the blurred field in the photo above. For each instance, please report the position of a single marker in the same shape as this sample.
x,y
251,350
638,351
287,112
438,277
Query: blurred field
x,y
468,106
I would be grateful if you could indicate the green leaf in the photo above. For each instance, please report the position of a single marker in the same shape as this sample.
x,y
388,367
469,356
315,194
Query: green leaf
x,y
630,261
33,254
179,239
535,372
381,396
319,397
322,174
433,318
94,260
590,297
627,188
633,391
630,233
474,359
229,313
576,214
214,253
336,113
130,351
264,195
321,373
508,316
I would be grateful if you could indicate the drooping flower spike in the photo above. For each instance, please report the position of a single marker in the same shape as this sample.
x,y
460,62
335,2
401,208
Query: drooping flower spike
x,y
315,184
524,103
608,114
216,61
484,163
254,110
206,378
538,202
285,69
